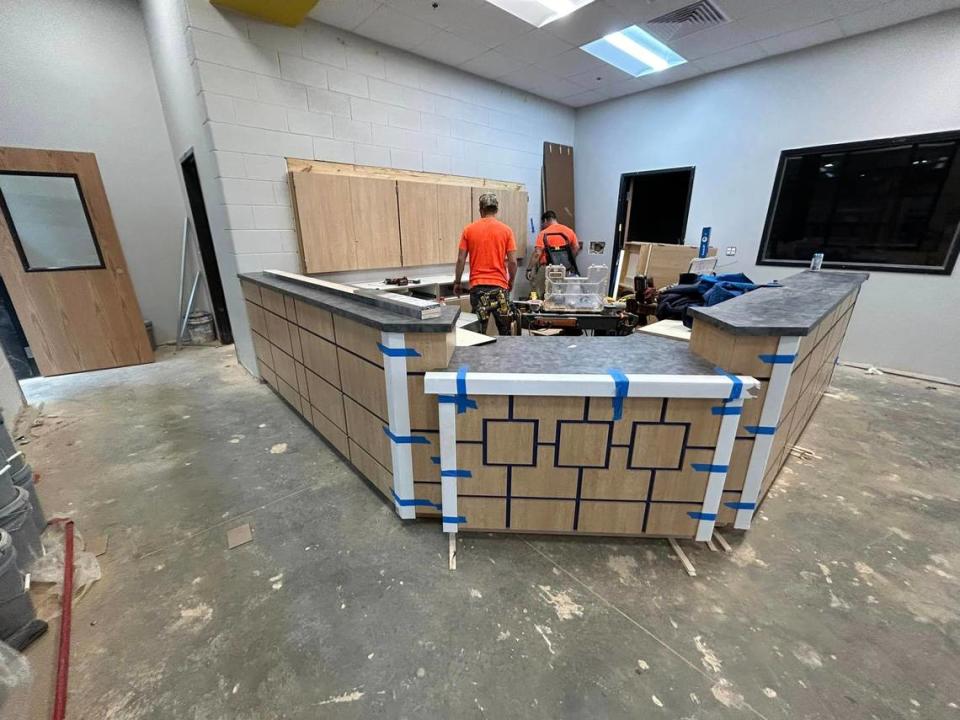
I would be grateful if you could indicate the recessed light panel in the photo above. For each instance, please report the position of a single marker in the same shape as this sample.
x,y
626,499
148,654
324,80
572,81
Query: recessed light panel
x,y
634,51
539,12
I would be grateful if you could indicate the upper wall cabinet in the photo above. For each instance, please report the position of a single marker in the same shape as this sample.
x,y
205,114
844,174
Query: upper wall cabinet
x,y
354,217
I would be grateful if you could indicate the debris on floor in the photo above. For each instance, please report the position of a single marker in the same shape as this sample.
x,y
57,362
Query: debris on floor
x,y
46,572
240,535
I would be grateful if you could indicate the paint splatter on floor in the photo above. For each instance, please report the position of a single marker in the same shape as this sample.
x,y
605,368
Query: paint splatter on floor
x,y
344,698
562,603
708,657
726,695
278,449
545,630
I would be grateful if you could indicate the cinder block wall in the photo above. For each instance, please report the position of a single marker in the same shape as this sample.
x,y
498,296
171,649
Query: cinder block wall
x,y
267,92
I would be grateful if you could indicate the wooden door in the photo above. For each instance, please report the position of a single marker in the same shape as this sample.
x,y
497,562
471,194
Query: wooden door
x,y
63,266
419,222
376,222
324,212
454,214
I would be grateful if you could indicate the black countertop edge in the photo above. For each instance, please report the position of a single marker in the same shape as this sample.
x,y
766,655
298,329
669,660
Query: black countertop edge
x,y
357,310
791,310
638,353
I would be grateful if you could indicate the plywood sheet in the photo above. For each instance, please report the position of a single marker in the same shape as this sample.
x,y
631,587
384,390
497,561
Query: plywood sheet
x,y
419,223
453,215
376,222
558,182
324,213
363,382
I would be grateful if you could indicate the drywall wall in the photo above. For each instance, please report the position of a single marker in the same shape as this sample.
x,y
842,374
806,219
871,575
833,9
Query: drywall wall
x,y
732,126
265,92
77,76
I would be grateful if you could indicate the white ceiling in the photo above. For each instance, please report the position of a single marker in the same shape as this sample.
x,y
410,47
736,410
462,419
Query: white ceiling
x,y
478,37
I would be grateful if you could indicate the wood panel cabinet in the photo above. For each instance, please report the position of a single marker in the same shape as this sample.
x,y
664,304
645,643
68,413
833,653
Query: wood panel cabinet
x,y
351,217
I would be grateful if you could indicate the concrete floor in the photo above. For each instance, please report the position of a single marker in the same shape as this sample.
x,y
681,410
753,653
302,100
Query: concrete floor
x,y
842,602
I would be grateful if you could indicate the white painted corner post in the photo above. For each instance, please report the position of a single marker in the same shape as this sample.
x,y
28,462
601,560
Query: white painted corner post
x,y
395,354
731,411
782,365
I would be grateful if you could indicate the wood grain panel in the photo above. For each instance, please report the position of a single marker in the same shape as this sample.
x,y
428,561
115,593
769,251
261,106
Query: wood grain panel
x,y
634,410
334,435
363,382
325,396
423,466
583,444
284,366
616,483
251,291
262,349
75,320
359,339
376,222
482,513
316,320
657,446
424,414
611,517
558,181
509,442
542,515
427,491
470,423
435,350
289,393
278,332
317,167
453,215
419,223
377,474
366,429
704,425
268,376
685,485
544,480
324,214
672,520
321,357
273,301
548,410
485,479
256,318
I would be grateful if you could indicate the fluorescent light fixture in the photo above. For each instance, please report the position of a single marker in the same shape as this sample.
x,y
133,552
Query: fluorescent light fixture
x,y
634,51
539,12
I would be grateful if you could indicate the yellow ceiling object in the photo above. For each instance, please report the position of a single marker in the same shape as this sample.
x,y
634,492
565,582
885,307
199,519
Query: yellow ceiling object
x,y
281,12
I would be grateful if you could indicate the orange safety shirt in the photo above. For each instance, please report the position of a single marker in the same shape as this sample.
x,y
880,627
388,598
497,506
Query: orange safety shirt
x,y
487,242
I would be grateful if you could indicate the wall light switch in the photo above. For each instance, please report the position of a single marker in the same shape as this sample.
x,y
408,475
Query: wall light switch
x,y
732,250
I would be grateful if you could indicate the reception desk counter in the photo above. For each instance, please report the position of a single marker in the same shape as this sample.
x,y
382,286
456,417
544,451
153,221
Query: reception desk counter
x,y
638,435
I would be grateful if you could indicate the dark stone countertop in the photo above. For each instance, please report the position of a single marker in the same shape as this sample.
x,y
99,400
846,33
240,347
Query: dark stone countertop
x,y
356,309
793,309
585,355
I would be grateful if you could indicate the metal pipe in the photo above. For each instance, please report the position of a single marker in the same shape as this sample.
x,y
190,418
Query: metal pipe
x,y
183,270
63,651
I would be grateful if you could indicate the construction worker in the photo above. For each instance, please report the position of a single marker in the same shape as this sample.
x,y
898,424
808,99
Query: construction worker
x,y
556,245
492,250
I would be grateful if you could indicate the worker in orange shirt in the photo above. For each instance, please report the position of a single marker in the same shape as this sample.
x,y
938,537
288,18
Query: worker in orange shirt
x,y
492,250
556,245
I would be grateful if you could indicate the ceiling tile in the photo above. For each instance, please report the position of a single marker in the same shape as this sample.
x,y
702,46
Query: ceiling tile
x,y
639,12
529,77
891,13
347,14
738,9
485,23
448,48
582,99
571,62
734,56
599,79
588,23
534,47
492,65
786,18
847,7
394,28
802,38
712,40
424,11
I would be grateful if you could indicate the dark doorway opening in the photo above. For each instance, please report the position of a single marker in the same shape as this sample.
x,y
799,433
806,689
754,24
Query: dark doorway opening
x,y
652,207
13,341
208,255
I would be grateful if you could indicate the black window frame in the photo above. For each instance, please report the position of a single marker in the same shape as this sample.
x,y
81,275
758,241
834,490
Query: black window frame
x,y
8,218
952,252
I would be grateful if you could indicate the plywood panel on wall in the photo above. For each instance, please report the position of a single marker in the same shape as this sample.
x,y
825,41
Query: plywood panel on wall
x,y
376,222
558,182
453,206
324,212
419,222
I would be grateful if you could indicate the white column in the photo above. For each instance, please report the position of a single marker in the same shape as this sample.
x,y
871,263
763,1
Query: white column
x,y
398,416
718,469
448,466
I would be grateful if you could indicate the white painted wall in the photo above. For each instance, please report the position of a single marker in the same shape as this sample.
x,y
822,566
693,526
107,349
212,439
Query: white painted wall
x,y
266,92
733,125
77,76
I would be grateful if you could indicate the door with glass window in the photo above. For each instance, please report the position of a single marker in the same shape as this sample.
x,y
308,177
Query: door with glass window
x,y
62,264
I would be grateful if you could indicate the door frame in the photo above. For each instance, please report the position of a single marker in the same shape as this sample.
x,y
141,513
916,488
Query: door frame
x,y
623,208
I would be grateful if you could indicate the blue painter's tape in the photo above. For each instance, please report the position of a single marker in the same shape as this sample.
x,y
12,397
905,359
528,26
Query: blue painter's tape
x,y
741,505
761,429
737,389
453,519
724,410
702,515
456,473
707,467
435,459
777,359
397,352
413,502
622,387
461,400
463,404
406,439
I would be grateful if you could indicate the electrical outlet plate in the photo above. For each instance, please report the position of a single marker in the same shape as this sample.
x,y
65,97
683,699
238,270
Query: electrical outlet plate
x,y
731,251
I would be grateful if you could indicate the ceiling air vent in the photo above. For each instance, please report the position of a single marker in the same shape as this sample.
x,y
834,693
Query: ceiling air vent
x,y
687,20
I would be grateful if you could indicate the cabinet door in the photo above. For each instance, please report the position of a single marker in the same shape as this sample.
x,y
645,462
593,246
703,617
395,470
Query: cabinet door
x,y
453,204
376,222
324,213
513,212
419,227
